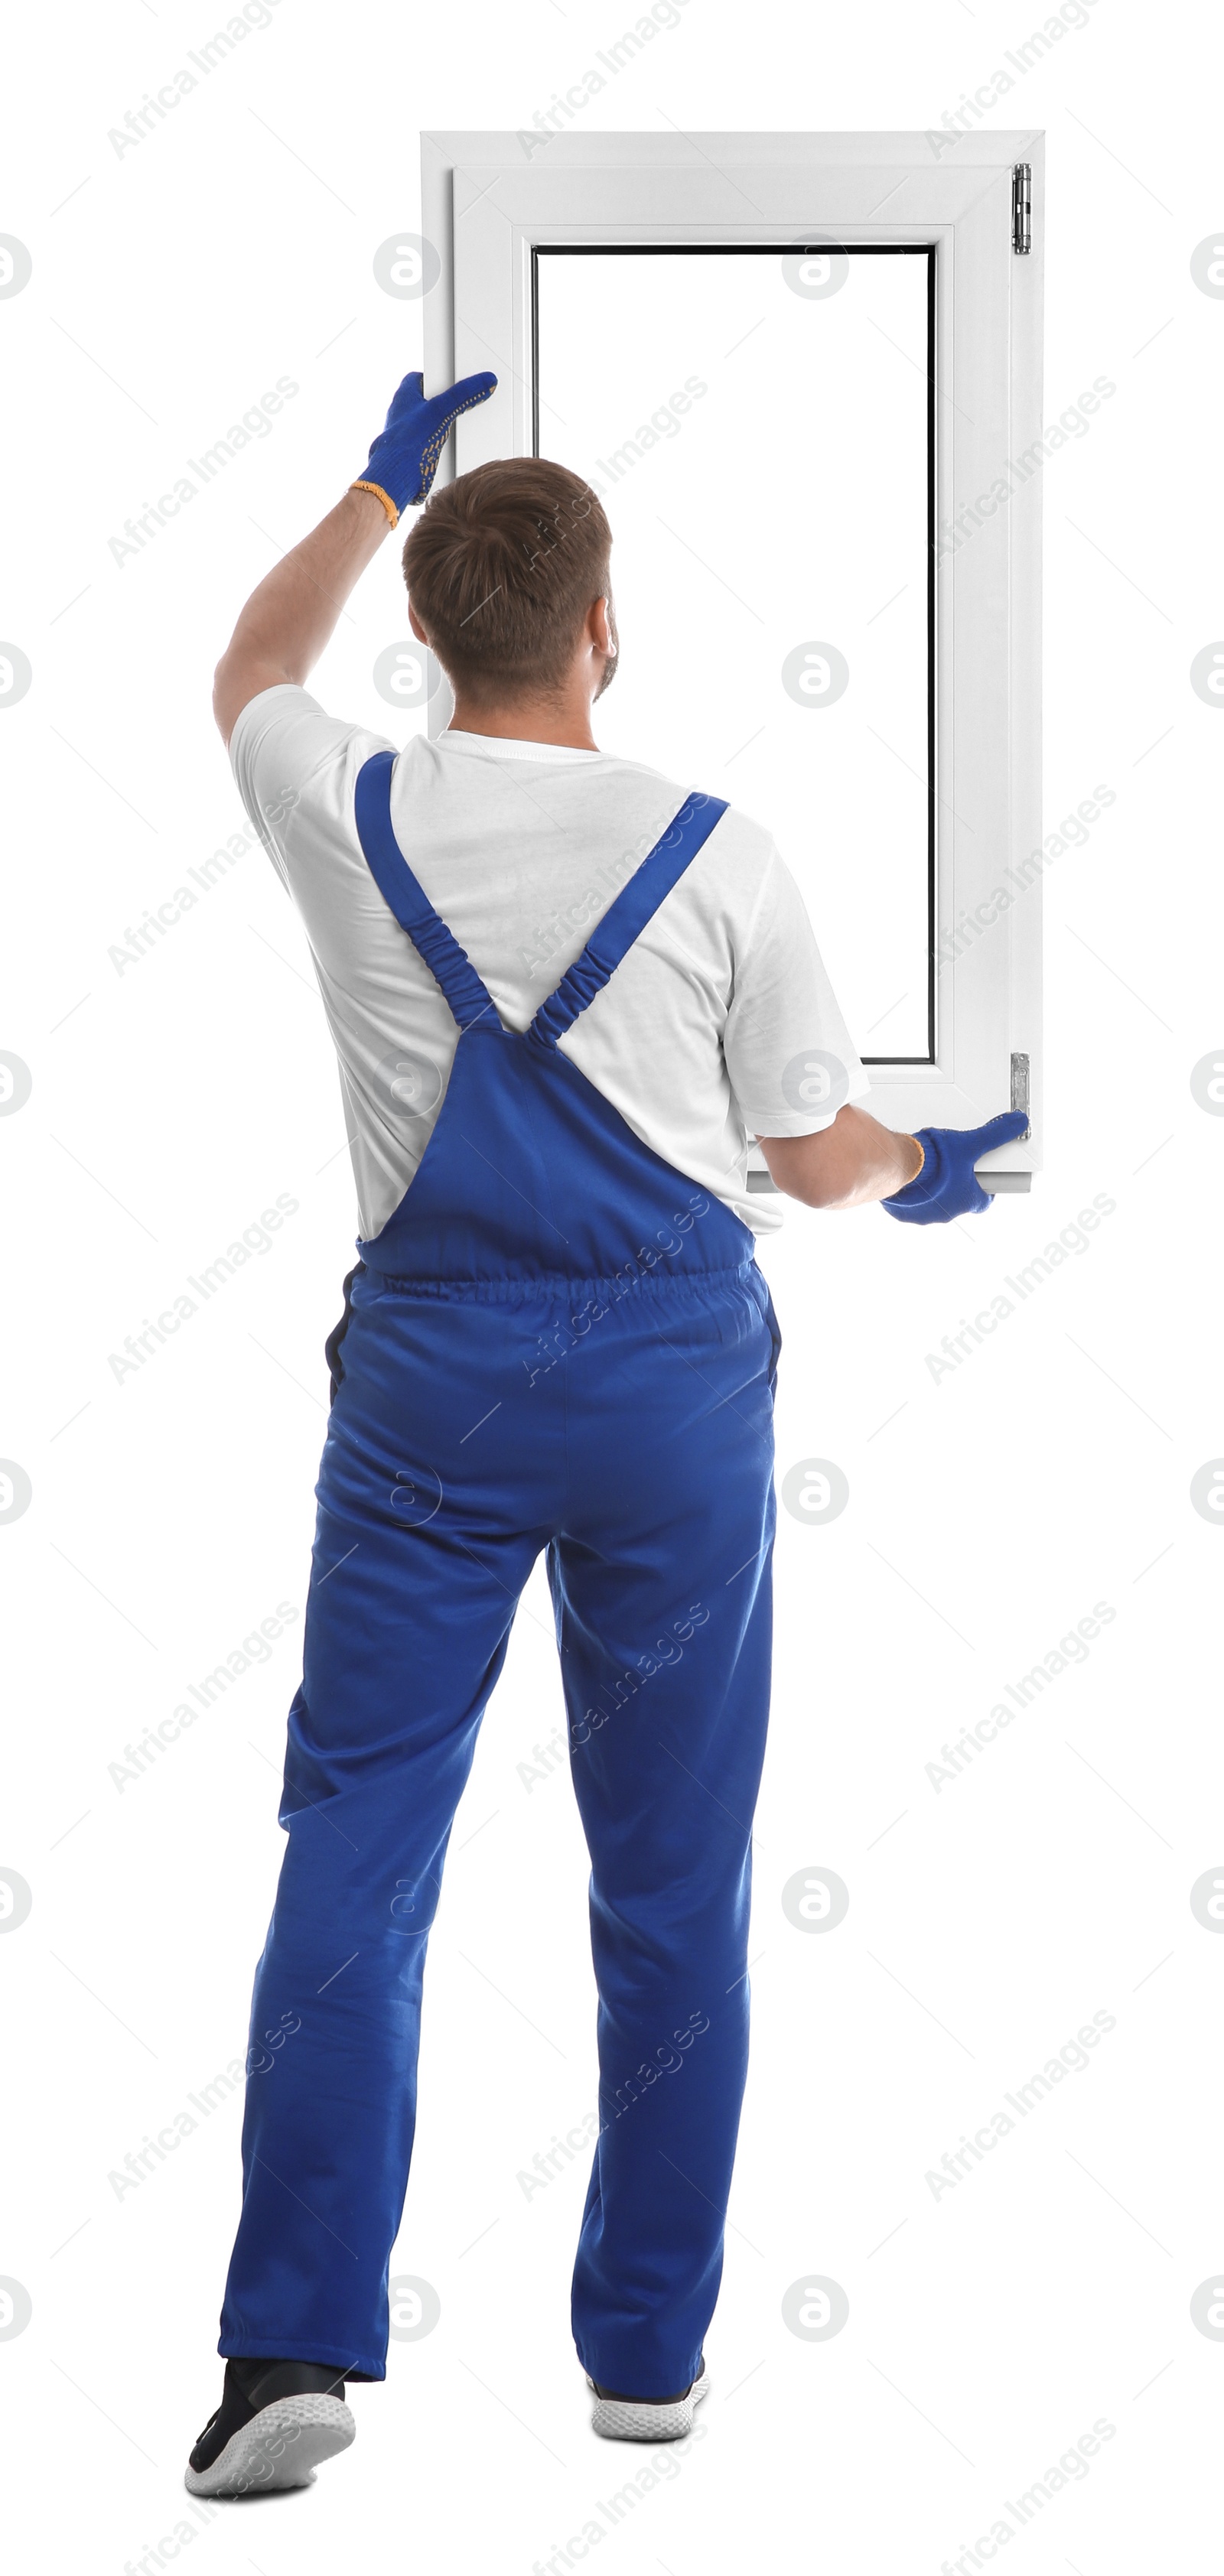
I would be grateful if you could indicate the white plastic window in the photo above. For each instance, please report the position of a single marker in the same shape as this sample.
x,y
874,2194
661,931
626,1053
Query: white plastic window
x,y
798,369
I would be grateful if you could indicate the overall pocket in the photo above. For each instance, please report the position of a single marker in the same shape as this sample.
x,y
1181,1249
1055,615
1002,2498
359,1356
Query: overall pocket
x,y
769,1317
331,1347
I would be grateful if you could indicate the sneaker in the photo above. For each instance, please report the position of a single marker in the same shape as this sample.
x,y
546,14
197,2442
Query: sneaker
x,y
275,2422
646,2419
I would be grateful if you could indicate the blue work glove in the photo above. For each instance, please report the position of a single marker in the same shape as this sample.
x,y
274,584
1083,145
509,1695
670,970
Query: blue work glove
x,y
404,457
946,1187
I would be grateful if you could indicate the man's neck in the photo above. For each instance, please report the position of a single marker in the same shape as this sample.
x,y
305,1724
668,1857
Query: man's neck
x,y
566,722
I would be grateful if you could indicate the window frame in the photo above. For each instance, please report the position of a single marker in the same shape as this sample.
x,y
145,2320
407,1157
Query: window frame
x,y
489,201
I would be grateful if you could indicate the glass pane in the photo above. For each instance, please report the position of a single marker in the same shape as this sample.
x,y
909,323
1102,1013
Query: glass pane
x,y
758,426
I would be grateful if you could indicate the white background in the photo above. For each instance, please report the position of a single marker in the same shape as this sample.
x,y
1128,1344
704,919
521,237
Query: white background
x,y
989,1509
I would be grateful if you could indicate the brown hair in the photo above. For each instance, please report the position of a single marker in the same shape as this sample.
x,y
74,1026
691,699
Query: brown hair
x,y
502,567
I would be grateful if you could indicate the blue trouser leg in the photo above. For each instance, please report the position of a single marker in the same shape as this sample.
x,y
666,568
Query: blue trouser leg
x,y
662,1590
408,1616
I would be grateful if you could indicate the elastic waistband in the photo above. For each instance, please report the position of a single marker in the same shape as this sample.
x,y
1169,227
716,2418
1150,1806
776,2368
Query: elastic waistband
x,y
561,1284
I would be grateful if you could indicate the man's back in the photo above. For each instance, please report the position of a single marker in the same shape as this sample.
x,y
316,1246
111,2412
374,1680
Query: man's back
x,y
521,847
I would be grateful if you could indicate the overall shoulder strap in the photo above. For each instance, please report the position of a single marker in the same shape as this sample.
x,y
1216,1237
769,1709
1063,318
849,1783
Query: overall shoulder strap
x,y
633,907
448,963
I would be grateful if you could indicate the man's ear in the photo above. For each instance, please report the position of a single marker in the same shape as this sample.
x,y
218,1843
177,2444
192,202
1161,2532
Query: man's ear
x,y
415,623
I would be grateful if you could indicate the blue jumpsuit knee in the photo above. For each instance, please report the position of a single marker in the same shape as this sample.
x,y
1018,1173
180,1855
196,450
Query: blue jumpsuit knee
x,y
557,1342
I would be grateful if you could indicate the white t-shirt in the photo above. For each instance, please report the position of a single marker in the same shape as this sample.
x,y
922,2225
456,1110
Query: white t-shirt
x,y
700,1037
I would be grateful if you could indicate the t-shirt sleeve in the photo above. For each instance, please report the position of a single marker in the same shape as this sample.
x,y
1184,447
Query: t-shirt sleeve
x,y
289,757
789,1054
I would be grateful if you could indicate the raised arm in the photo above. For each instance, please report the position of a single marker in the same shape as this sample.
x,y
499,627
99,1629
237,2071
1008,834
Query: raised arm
x,y
288,620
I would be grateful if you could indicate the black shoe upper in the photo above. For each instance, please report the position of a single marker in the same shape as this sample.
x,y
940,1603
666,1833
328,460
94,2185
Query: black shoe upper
x,y
252,2385
619,2398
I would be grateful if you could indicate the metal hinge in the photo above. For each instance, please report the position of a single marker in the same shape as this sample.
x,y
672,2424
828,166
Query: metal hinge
x,y
1020,1089
1022,208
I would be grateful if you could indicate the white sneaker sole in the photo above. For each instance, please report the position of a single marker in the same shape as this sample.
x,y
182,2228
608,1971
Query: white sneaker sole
x,y
634,2419
280,2447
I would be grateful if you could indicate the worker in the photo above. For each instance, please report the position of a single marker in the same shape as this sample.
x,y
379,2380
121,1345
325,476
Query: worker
x,y
566,992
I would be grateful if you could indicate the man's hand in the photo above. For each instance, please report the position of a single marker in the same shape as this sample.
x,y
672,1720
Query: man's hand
x,y
947,1186
404,457
923,1180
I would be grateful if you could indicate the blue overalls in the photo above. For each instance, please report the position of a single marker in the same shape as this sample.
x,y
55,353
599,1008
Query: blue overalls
x,y
557,1341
